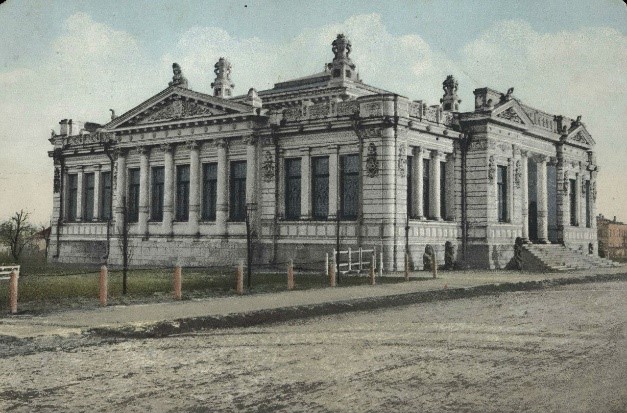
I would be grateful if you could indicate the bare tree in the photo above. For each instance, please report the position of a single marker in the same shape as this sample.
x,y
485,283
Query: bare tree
x,y
17,233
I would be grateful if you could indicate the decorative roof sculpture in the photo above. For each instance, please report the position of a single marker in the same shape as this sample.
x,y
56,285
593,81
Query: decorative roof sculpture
x,y
222,86
178,79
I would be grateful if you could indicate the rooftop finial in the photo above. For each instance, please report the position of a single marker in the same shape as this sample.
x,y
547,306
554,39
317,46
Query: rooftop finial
x,y
450,101
178,79
342,67
222,86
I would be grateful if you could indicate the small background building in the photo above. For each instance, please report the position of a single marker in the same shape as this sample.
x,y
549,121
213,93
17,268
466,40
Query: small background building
x,y
612,238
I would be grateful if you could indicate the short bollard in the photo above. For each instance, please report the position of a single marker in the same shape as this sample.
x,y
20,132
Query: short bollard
x,y
177,282
326,264
406,266
103,285
434,266
13,291
239,279
381,264
372,277
290,275
332,273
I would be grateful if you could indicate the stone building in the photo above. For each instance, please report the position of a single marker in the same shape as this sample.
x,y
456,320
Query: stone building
x,y
317,154
612,238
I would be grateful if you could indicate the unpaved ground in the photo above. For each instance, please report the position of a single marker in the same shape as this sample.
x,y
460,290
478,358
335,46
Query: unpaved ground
x,y
554,350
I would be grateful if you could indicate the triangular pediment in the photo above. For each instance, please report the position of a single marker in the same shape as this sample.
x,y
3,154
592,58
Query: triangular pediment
x,y
579,136
512,112
175,103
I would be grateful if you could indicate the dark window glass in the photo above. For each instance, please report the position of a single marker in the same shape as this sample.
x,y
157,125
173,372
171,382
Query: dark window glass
x,y
237,206
320,187
443,190
133,195
573,202
410,200
105,196
501,188
72,199
349,186
156,195
426,188
588,206
88,197
292,188
209,191
182,193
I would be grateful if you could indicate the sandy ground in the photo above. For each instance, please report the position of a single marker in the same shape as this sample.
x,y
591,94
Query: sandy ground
x,y
553,350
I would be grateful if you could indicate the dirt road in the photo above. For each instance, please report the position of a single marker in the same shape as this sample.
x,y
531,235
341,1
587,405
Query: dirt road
x,y
554,350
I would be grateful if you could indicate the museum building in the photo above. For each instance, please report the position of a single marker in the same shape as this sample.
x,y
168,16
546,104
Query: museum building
x,y
184,173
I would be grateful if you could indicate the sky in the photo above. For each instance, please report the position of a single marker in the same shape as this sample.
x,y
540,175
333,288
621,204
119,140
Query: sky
x,y
77,59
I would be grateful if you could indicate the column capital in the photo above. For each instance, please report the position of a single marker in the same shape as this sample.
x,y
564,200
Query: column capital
x,y
435,154
166,147
418,150
250,140
192,145
119,153
143,150
221,143
524,153
516,150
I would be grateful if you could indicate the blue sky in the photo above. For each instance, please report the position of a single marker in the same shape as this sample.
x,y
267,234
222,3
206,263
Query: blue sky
x,y
77,59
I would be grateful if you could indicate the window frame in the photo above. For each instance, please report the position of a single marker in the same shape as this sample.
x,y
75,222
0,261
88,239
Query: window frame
x,y
237,187
181,201
293,193
133,195
321,214
157,199
209,192
89,192
344,191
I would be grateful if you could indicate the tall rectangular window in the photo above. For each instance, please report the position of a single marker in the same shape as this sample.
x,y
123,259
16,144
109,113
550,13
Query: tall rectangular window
x,y
88,196
105,196
320,187
410,201
182,193
349,186
588,206
426,187
209,191
573,202
443,190
133,195
501,189
72,199
292,188
237,205
156,193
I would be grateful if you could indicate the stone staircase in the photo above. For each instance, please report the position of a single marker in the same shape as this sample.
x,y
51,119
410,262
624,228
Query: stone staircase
x,y
556,257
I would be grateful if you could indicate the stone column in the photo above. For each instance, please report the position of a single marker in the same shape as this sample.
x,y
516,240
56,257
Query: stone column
x,y
222,206
120,190
96,212
450,186
543,222
593,199
79,195
580,218
194,187
251,174
524,182
334,181
434,199
168,188
305,184
511,165
144,169
416,178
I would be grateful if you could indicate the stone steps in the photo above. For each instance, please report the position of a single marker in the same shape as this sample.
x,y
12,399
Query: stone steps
x,y
555,257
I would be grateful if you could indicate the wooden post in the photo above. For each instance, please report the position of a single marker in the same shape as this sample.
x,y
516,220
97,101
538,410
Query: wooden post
x,y
104,273
332,273
13,290
381,263
406,266
326,265
372,277
434,265
360,257
177,282
290,275
349,259
239,278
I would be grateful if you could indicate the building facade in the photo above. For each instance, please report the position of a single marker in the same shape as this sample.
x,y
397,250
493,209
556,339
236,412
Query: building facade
x,y
183,173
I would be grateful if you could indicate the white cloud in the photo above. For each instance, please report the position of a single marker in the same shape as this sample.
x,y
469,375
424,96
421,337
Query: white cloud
x,y
92,67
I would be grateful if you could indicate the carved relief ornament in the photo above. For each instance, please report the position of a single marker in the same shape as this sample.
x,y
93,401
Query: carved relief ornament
x,y
268,166
491,169
372,164
518,174
402,160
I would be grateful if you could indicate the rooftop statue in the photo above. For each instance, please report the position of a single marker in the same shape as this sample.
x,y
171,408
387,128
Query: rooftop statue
x,y
178,79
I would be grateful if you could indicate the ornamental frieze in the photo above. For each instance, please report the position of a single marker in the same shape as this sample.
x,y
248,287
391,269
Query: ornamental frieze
x,y
511,115
402,161
268,166
517,174
491,168
57,180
